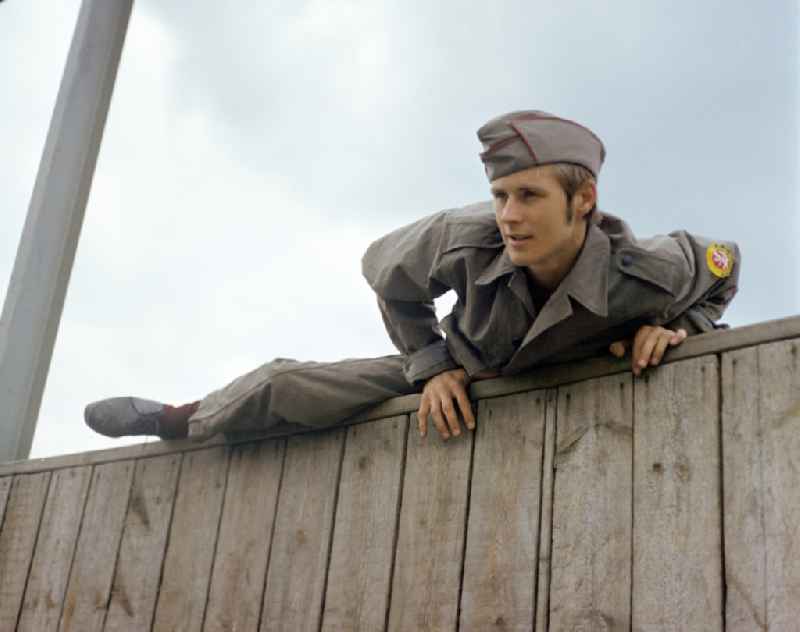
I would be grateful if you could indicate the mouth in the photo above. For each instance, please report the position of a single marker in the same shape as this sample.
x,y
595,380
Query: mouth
x,y
518,240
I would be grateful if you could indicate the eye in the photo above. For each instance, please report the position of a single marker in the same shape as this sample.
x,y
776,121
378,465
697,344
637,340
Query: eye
x,y
527,194
499,198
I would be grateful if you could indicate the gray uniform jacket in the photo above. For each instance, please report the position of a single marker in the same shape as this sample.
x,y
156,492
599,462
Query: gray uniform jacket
x,y
617,284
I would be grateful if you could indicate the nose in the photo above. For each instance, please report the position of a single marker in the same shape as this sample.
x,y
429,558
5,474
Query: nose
x,y
510,211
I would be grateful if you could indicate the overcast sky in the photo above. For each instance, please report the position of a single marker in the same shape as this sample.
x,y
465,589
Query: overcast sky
x,y
252,154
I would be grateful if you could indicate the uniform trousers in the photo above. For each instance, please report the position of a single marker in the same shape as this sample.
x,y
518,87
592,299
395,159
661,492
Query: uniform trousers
x,y
316,394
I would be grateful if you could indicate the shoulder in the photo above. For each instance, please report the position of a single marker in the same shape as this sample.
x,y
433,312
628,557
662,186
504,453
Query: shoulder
x,y
471,226
658,260
669,261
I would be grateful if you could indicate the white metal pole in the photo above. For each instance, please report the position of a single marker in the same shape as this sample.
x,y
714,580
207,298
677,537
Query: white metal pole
x,y
35,298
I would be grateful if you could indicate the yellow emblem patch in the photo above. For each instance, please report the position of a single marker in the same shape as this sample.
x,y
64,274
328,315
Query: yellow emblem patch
x,y
720,260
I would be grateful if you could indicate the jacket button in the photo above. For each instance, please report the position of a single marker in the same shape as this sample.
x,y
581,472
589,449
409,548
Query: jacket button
x,y
627,260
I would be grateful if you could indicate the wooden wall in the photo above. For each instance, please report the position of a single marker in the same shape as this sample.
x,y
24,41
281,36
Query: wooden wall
x,y
666,502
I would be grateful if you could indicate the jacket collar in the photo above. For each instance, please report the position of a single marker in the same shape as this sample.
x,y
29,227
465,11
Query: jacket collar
x,y
586,282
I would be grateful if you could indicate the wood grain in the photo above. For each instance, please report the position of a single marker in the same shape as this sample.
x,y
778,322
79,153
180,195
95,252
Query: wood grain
x,y
543,578
55,547
364,530
761,444
304,524
430,543
89,587
677,564
17,539
243,545
501,562
591,556
193,535
144,538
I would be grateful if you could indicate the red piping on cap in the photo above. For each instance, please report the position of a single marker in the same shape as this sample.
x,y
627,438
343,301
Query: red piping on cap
x,y
498,145
532,117
524,140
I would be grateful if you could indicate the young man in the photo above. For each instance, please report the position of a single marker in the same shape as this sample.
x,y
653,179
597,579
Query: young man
x,y
540,274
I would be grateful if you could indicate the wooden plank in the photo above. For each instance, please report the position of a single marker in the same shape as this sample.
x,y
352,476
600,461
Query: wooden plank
x,y
500,563
542,604
543,377
5,488
193,536
761,444
55,547
365,525
243,545
677,561
591,557
17,539
303,527
430,543
89,587
144,537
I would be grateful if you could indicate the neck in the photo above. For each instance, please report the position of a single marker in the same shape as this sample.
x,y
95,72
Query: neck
x,y
549,274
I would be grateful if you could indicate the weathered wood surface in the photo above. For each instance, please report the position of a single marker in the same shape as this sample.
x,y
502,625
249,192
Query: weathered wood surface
x,y
89,587
24,506
590,583
677,539
596,505
430,542
357,595
501,564
301,543
192,540
761,447
55,547
546,529
243,544
141,551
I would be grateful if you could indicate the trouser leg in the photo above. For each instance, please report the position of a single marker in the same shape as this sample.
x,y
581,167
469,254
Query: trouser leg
x,y
317,394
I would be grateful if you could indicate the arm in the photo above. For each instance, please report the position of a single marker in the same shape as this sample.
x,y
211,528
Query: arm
x,y
710,283
402,270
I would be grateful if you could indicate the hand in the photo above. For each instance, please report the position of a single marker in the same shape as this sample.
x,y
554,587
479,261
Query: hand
x,y
442,397
649,346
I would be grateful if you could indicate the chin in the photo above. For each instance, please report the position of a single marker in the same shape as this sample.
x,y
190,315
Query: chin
x,y
519,259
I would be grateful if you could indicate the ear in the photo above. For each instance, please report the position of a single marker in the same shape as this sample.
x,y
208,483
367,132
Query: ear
x,y
585,199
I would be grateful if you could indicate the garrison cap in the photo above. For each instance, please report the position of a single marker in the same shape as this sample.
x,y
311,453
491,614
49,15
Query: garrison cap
x,y
529,138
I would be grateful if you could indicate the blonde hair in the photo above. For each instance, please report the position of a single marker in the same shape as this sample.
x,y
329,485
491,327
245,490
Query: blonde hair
x,y
572,177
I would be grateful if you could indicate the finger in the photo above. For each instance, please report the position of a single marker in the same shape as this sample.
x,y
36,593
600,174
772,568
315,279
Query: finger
x,y
648,341
678,337
438,421
466,408
451,414
638,346
660,347
618,348
422,417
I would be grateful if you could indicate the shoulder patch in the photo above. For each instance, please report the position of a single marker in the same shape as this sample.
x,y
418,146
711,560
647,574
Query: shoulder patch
x,y
720,260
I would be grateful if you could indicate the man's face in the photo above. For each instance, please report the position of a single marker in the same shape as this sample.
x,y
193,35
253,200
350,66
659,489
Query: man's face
x,y
531,213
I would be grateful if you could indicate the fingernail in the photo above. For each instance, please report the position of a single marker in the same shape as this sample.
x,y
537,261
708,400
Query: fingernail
x,y
642,363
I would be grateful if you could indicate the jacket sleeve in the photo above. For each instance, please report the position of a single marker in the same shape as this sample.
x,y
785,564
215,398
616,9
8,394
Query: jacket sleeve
x,y
710,283
401,269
